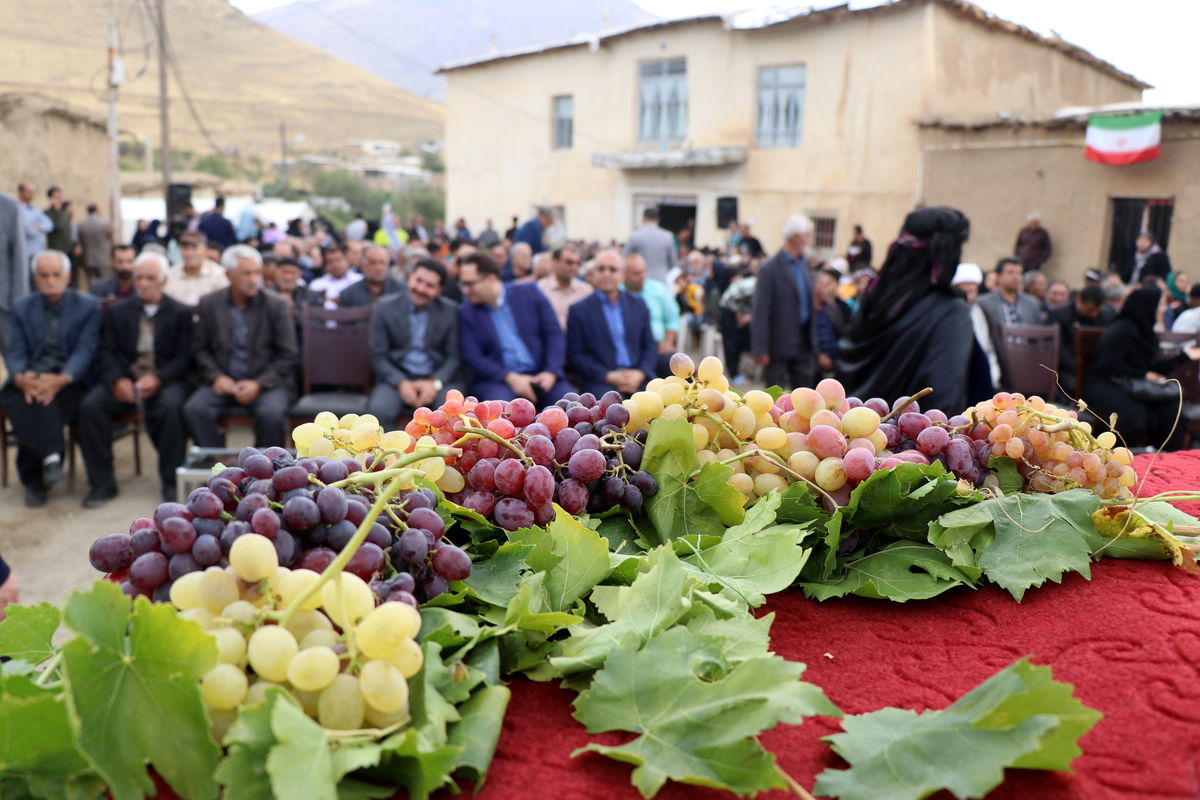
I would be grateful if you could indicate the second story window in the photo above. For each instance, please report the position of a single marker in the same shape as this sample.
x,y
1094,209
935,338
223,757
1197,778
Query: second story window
x,y
662,101
780,106
564,121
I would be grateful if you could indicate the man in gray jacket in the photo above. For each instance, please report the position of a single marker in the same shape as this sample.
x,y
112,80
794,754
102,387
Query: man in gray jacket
x,y
1009,305
783,328
655,245
14,265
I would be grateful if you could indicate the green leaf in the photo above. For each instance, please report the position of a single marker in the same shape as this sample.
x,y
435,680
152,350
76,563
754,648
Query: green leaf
x,y
528,609
448,628
799,505
243,772
573,557
418,765
1005,469
35,736
1038,538
963,535
901,571
119,686
1143,531
695,717
302,763
902,501
656,600
28,631
712,486
741,637
430,712
479,731
619,531
494,579
753,559
1019,717
676,510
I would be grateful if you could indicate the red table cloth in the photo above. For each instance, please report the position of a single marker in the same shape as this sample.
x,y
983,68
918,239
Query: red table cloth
x,y
1128,640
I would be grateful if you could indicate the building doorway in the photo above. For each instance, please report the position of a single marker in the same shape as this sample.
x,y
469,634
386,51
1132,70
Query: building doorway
x,y
1131,216
674,211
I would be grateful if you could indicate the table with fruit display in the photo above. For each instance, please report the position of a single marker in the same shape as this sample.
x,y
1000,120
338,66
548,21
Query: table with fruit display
x,y
617,598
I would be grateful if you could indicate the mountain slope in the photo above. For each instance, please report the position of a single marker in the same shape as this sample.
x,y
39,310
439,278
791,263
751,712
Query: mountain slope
x,y
404,42
243,78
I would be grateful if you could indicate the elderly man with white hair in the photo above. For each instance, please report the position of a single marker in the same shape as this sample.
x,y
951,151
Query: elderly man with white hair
x,y
1033,246
145,364
244,346
49,359
783,331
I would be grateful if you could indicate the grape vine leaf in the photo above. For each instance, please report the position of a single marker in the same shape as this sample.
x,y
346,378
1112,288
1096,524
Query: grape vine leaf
x,y
1007,475
755,558
713,487
477,733
1019,717
620,533
302,763
242,773
28,632
573,557
678,509
528,610
116,682
657,599
37,751
411,761
1144,531
901,571
1038,538
494,579
799,505
696,717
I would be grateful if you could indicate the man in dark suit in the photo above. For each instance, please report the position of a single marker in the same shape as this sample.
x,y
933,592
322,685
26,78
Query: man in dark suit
x,y
145,359
376,282
510,337
119,285
414,345
783,330
54,336
244,345
609,341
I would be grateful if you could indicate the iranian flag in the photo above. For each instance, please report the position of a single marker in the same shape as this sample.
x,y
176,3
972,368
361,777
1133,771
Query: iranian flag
x,y
1125,139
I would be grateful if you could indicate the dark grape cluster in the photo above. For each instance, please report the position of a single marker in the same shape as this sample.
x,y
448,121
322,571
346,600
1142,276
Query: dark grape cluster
x,y
575,453
929,436
291,502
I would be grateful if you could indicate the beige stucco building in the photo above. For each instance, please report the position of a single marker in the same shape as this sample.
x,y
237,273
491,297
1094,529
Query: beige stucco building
x,y
817,113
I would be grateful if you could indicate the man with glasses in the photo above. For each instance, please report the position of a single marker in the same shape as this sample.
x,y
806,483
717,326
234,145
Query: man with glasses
x,y
609,341
562,286
196,275
510,339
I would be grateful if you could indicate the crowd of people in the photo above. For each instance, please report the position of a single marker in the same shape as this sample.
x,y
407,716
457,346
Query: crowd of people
x,y
201,320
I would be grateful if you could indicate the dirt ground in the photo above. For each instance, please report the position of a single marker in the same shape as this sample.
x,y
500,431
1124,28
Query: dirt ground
x,y
47,547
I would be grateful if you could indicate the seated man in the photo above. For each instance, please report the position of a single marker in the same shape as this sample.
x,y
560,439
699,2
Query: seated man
x,y
244,345
414,345
377,281
145,363
664,311
337,278
609,342
510,337
119,285
50,354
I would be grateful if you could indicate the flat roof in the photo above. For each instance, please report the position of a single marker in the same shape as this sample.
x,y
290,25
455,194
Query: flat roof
x,y
759,20
1071,116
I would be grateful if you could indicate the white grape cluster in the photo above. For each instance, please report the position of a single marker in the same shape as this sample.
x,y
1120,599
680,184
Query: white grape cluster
x,y
345,660
360,438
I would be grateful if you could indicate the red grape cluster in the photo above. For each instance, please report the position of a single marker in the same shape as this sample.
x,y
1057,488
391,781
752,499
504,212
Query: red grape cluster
x,y
925,437
292,503
516,463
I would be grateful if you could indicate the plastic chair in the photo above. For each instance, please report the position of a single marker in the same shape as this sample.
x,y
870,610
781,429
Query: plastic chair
x,y
1086,339
336,358
1030,357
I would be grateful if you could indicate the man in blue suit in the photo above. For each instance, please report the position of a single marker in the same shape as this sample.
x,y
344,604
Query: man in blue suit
x,y
509,336
54,337
609,341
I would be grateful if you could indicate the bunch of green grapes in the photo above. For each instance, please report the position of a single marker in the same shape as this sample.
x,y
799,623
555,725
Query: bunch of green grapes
x,y
346,660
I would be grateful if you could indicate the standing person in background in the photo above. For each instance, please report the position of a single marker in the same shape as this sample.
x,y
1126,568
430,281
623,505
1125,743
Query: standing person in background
x,y
417,230
1033,243
14,270
750,245
488,237
1009,305
95,237
247,225
859,253
49,359
534,229
1148,259
737,307
60,238
510,235
196,275
356,229
783,335
216,228
833,315
984,374
655,245
562,286
1178,285
664,311
36,225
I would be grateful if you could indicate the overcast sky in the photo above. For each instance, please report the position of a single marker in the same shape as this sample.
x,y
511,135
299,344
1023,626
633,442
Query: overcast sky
x,y
1152,39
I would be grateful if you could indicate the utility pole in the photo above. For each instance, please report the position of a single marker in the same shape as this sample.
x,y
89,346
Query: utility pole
x,y
165,130
116,76
284,163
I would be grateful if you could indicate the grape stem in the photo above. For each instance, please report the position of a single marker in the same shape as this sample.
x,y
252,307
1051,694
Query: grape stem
x,y
51,669
898,410
366,734
484,433
397,467
343,558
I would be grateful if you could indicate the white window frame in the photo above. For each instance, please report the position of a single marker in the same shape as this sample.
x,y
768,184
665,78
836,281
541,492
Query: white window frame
x,y
562,132
781,93
662,101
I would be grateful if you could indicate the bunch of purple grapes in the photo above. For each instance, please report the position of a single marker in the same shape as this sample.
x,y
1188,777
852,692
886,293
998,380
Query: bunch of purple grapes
x,y
590,464
291,502
929,436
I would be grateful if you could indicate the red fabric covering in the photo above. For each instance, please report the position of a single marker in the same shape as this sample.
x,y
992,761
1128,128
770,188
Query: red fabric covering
x,y
1129,641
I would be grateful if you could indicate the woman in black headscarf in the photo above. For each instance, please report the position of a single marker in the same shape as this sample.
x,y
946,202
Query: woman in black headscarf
x,y
912,330
1115,381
